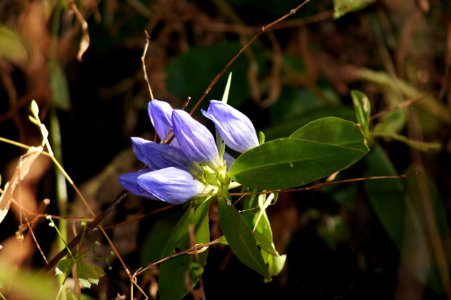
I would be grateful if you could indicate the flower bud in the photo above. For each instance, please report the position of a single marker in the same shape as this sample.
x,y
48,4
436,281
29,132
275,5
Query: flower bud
x,y
171,185
235,128
160,113
194,139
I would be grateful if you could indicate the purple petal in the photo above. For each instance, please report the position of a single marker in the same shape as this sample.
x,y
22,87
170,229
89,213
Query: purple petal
x,y
195,139
159,156
235,128
129,182
171,185
160,113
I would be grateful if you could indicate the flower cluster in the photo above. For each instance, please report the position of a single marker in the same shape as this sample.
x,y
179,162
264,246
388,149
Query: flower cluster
x,y
190,166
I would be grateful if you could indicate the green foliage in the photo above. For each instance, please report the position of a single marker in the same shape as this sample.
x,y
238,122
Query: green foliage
x,y
152,247
342,7
25,284
315,151
240,238
185,269
59,85
11,45
386,196
254,213
362,109
86,273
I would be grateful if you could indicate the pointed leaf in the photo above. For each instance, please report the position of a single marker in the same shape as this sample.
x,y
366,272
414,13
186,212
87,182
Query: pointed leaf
x,y
317,150
175,273
386,196
240,238
333,131
362,109
342,7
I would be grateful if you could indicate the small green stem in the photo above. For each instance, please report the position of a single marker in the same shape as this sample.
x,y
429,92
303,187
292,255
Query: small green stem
x,y
61,188
55,136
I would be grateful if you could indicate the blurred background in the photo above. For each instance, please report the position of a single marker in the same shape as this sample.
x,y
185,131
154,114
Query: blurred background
x,y
81,62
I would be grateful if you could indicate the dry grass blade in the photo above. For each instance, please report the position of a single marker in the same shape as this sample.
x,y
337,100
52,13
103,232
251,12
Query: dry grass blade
x,y
22,169
84,43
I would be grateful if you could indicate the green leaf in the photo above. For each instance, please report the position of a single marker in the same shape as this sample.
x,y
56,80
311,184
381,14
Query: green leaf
x,y
333,131
401,211
59,85
254,213
240,238
11,45
175,273
315,151
362,109
391,123
342,7
386,196
275,263
26,284
262,231
87,274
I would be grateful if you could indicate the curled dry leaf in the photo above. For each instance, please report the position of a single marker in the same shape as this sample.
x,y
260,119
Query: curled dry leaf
x,y
22,169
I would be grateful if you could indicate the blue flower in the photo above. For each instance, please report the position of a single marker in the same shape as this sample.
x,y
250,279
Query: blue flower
x,y
171,185
191,166
129,182
235,128
195,139
158,156
160,113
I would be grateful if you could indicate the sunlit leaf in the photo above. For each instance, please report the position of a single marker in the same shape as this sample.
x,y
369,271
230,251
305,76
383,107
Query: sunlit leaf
x,y
333,131
275,262
315,151
240,238
362,109
87,273
11,45
342,7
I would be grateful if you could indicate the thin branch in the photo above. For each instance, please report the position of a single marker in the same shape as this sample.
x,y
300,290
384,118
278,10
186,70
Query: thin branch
x,y
229,64
143,61
323,184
